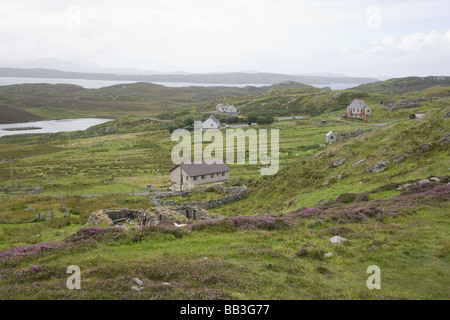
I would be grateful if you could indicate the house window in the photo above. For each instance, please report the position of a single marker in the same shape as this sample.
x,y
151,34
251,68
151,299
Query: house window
x,y
203,177
223,174
187,178
212,176
195,178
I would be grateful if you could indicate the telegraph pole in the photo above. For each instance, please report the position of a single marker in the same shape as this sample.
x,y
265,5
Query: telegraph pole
x,y
157,170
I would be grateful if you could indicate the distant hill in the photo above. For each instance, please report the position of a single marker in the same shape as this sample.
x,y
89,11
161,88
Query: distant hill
x,y
10,114
74,66
403,85
224,78
25,102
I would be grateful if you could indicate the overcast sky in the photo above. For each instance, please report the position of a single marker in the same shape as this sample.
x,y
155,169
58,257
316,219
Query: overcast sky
x,y
357,38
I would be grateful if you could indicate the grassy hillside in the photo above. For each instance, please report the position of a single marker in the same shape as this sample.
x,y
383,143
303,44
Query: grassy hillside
x,y
275,244
403,85
307,182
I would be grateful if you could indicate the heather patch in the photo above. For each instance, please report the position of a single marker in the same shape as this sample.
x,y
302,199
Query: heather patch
x,y
349,215
169,278
90,234
268,222
12,256
308,212
37,273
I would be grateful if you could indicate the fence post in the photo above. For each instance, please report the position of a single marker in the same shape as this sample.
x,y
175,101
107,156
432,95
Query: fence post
x,y
51,214
39,216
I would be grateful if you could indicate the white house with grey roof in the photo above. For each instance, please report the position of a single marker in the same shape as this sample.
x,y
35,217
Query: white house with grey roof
x,y
192,174
358,109
211,123
226,108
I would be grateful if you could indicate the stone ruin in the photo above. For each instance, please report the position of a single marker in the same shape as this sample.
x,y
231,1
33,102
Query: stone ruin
x,y
148,217
339,136
169,211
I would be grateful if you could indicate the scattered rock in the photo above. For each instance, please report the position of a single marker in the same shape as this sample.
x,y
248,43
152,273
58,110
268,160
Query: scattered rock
x,y
422,181
138,281
328,254
424,148
359,162
328,180
398,158
377,167
404,186
337,95
337,239
372,247
445,140
337,163
135,288
166,284
36,236
179,225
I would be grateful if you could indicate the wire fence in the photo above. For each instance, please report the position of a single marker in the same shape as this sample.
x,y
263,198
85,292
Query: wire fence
x,y
39,217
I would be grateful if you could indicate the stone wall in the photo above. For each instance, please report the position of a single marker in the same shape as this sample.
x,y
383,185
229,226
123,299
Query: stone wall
x,y
347,135
232,194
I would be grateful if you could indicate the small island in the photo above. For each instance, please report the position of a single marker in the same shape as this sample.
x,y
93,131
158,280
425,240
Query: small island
x,y
22,128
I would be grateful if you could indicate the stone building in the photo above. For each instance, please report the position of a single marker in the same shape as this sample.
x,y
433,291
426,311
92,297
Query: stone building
x,y
330,137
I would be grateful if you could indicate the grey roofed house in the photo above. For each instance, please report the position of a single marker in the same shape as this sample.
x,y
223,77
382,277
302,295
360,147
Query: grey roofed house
x,y
214,119
226,108
193,174
211,123
358,108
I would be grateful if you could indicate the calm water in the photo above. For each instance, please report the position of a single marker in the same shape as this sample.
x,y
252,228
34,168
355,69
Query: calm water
x,y
52,126
95,84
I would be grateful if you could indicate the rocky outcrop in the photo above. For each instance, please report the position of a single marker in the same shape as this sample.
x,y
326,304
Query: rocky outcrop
x,y
445,139
378,167
398,158
337,163
424,148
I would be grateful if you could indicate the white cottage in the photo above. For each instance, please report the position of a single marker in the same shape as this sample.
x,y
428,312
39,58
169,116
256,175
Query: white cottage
x,y
358,109
226,108
211,123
